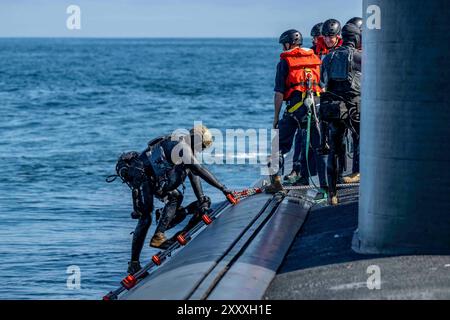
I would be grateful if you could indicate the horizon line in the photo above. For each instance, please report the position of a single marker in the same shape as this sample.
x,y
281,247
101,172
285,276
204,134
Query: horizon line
x,y
139,37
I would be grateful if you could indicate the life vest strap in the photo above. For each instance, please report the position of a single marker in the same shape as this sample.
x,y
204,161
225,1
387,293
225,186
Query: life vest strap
x,y
300,104
297,105
303,84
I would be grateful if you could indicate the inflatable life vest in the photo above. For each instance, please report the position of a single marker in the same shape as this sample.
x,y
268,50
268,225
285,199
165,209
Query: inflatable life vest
x,y
321,48
302,63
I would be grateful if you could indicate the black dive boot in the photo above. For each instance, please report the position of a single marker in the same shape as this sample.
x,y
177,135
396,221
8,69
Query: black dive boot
x,y
134,267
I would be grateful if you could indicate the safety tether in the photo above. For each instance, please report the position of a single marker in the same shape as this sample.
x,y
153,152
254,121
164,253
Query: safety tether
x,y
308,134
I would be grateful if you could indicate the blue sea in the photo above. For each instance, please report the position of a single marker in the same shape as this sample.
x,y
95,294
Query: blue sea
x,y
70,107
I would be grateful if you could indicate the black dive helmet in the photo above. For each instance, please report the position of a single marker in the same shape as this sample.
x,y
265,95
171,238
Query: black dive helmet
x,y
331,28
316,31
292,37
351,33
357,21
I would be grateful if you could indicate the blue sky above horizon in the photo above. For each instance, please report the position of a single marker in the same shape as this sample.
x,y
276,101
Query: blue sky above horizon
x,y
170,18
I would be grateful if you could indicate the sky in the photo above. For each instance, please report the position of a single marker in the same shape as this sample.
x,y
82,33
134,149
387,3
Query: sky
x,y
170,18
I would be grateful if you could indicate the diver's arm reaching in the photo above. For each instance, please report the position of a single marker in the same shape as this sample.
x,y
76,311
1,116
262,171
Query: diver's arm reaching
x,y
197,169
209,178
196,185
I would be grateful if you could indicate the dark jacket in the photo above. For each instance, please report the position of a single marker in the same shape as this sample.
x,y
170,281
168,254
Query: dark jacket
x,y
338,75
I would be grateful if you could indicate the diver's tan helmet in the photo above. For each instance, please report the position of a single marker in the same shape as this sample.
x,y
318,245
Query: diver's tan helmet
x,y
201,134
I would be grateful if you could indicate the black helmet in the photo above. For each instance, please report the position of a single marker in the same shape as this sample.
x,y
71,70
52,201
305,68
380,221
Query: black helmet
x,y
352,34
331,27
292,37
357,21
316,31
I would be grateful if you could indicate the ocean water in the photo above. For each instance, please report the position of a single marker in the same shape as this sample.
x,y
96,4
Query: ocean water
x,y
69,107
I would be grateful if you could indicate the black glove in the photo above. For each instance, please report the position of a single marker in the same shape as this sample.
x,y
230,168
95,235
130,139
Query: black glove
x,y
204,202
226,191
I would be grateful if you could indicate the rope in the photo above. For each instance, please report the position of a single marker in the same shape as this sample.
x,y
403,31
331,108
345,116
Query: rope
x,y
246,193
340,186
239,195
308,142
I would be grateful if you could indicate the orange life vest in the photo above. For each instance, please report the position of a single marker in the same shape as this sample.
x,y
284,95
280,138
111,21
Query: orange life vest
x,y
301,62
321,48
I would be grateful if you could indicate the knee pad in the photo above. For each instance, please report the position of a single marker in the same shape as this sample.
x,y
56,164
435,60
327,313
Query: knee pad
x,y
175,196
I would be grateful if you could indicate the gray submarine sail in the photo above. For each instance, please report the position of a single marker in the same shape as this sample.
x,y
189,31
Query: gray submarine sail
x,y
405,129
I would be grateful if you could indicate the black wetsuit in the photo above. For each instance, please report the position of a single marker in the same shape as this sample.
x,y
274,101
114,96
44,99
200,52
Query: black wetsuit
x,y
347,94
189,167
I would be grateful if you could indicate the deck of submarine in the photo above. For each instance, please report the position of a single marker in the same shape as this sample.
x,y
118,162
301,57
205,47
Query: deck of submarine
x,y
288,247
321,265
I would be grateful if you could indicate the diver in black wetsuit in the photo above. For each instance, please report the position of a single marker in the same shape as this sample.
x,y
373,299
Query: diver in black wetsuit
x,y
158,172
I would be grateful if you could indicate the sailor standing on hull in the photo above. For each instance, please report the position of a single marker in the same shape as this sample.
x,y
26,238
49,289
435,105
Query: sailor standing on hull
x,y
299,159
357,21
355,176
159,172
331,38
298,75
340,105
316,36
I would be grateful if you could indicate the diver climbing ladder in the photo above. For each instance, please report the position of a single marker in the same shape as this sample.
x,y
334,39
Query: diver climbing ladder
x,y
157,260
132,280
